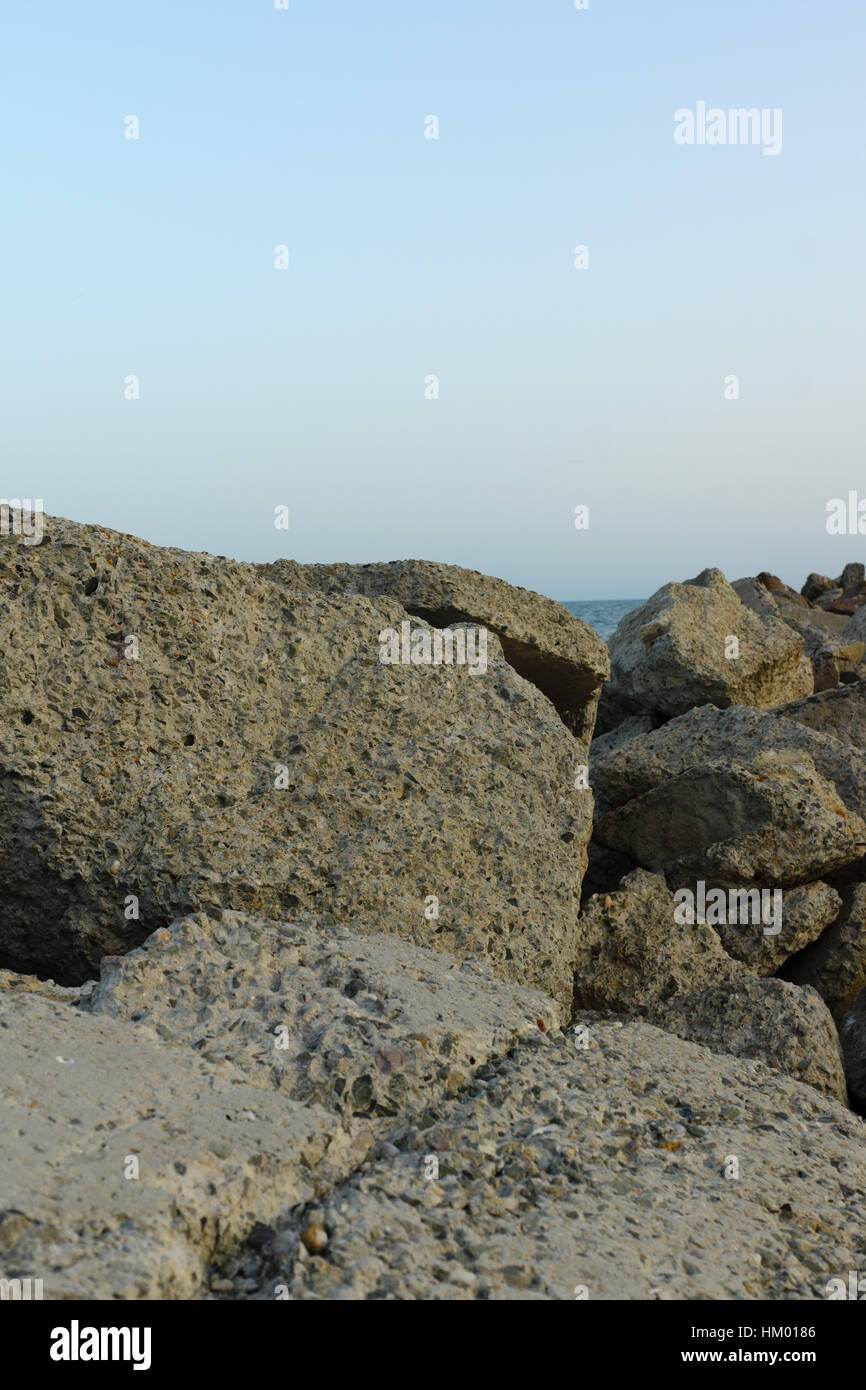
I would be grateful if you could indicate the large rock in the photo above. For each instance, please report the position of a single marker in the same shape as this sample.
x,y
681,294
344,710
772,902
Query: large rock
x,y
835,964
363,1025
711,736
775,821
545,643
84,1100
632,951
676,652
639,1167
258,755
840,712
777,1023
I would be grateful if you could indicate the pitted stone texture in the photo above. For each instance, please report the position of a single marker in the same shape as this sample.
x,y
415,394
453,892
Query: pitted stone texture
x,y
670,654
632,951
787,1028
366,1025
81,1097
805,911
159,779
545,643
840,712
776,822
708,735
602,1168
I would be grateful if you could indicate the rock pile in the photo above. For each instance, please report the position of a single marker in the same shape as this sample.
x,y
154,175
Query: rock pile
x,y
327,975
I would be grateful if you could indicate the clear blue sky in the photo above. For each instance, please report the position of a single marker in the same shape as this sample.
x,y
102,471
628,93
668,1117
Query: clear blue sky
x,y
454,257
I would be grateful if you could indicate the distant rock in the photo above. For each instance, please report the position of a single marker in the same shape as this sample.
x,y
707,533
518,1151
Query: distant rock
x,y
678,651
780,590
852,574
817,584
850,600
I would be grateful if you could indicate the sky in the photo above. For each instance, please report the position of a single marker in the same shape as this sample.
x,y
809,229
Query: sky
x,y
161,373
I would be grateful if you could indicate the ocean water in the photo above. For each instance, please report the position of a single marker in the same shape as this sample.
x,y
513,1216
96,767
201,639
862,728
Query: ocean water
x,y
603,613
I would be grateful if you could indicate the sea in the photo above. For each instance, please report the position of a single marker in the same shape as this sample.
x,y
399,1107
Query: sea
x,y
602,613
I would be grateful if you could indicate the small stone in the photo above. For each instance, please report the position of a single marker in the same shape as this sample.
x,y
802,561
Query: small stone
x,y
315,1239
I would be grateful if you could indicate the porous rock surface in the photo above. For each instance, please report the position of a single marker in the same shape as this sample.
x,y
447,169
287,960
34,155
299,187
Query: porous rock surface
x,y
594,1171
554,650
82,1097
249,750
363,1025
675,652
788,1028
290,938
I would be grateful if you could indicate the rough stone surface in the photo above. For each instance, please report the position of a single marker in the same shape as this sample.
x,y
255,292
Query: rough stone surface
x,y
81,1096
545,643
632,727
366,1025
853,573
787,1028
670,654
602,1168
705,736
157,778
815,585
835,964
775,822
850,600
806,911
841,713
632,951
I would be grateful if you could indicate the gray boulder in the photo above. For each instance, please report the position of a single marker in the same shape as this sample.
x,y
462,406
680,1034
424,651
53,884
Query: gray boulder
x,y
638,1166
787,1028
776,821
544,643
677,652
184,732
840,713
711,736
362,1025
130,1168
